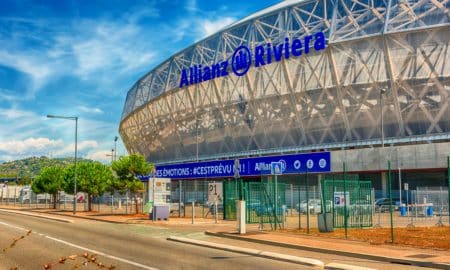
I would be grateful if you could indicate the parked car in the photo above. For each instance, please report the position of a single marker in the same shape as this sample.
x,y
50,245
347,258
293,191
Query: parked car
x,y
314,206
261,208
382,204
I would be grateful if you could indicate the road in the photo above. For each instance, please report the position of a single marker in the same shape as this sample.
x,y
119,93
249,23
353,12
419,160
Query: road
x,y
127,246
123,246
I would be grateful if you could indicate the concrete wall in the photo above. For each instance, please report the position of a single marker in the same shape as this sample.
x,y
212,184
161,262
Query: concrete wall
x,y
419,156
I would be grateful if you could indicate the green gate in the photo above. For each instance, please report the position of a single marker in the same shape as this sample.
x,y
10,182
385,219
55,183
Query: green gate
x,y
230,195
352,199
263,200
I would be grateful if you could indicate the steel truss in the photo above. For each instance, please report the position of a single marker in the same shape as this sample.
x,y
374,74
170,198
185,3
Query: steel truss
x,y
387,59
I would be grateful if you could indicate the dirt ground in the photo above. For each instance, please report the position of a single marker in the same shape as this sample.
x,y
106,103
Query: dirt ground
x,y
421,237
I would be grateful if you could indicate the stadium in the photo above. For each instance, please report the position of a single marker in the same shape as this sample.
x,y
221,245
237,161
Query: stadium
x,y
312,84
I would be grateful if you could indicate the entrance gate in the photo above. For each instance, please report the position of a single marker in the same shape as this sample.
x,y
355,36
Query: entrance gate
x,y
263,200
352,199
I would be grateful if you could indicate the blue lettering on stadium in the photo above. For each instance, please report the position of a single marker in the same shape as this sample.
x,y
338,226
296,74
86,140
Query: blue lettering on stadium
x,y
242,58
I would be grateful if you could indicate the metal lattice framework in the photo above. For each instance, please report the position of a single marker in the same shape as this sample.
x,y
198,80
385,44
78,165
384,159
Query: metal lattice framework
x,y
387,62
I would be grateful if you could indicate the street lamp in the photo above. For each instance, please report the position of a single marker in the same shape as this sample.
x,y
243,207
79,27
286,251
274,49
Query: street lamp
x,y
76,144
382,91
115,147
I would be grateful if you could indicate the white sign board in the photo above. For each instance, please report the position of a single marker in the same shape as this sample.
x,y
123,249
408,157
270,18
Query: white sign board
x,y
406,186
215,191
339,199
159,191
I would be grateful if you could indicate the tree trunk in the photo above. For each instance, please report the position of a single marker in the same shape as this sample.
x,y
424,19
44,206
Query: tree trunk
x,y
136,202
89,202
54,200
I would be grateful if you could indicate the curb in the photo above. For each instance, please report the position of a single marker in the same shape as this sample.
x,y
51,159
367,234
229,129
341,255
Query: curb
x,y
380,258
36,215
254,252
341,266
90,218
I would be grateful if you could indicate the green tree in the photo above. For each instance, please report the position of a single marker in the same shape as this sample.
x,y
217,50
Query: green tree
x,y
93,178
50,180
127,170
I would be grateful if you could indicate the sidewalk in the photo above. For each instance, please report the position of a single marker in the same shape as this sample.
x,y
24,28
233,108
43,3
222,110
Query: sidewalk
x,y
227,229
387,253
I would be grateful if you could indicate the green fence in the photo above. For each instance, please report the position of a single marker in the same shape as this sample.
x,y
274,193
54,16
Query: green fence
x,y
230,195
264,200
350,201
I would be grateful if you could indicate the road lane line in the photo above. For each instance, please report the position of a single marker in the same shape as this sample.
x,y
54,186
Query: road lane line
x,y
36,215
84,248
13,226
102,254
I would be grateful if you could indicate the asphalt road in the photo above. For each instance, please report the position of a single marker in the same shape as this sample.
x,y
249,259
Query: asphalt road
x,y
122,246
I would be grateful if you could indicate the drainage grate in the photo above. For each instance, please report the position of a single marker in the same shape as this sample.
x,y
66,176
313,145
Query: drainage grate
x,y
421,256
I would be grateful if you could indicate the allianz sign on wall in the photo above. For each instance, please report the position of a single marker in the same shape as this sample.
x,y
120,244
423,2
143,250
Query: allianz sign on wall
x,y
242,58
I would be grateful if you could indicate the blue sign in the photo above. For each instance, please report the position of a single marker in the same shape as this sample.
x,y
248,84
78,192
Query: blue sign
x,y
290,164
242,58
276,168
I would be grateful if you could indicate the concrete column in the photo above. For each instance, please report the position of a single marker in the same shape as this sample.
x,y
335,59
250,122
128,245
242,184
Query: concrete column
x,y
384,183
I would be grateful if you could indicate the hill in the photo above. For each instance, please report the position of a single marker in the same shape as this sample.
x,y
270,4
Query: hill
x,y
30,167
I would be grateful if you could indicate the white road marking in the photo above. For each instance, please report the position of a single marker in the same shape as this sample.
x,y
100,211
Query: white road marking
x,y
84,248
15,227
102,254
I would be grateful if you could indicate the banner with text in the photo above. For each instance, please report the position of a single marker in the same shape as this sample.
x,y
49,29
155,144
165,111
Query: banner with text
x,y
291,164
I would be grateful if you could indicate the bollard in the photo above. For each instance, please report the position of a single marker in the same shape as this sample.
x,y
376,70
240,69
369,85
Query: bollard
x,y
240,211
283,208
193,211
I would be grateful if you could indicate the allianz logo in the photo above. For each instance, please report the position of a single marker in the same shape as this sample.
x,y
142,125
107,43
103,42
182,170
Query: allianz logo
x,y
242,58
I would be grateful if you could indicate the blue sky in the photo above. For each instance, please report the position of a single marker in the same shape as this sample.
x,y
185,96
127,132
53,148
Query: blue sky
x,y
81,57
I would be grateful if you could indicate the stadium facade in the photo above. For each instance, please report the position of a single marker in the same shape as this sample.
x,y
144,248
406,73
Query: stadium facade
x,y
357,81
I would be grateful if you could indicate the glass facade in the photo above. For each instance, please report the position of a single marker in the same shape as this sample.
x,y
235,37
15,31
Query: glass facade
x,y
384,74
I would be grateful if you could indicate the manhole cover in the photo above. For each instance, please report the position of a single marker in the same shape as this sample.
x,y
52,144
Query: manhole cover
x,y
421,256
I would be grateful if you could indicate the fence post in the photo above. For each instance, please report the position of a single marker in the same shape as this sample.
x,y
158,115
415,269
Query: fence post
x,y
345,201
390,201
275,201
448,179
179,199
193,211
307,200
298,209
292,197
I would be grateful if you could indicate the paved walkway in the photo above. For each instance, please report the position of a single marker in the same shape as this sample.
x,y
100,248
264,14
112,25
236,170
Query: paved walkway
x,y
392,253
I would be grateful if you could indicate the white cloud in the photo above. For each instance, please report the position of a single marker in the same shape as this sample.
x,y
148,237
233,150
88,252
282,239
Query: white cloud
x,y
102,156
69,149
90,110
18,149
28,63
191,5
30,146
210,27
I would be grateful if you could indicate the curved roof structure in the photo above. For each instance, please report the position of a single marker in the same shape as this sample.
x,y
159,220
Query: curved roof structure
x,y
394,51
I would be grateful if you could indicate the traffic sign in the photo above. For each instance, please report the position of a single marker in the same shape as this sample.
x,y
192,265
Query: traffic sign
x,y
276,168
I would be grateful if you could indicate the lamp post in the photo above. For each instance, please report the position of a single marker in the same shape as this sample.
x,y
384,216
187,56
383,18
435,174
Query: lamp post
x,y
76,145
112,155
382,91
115,147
